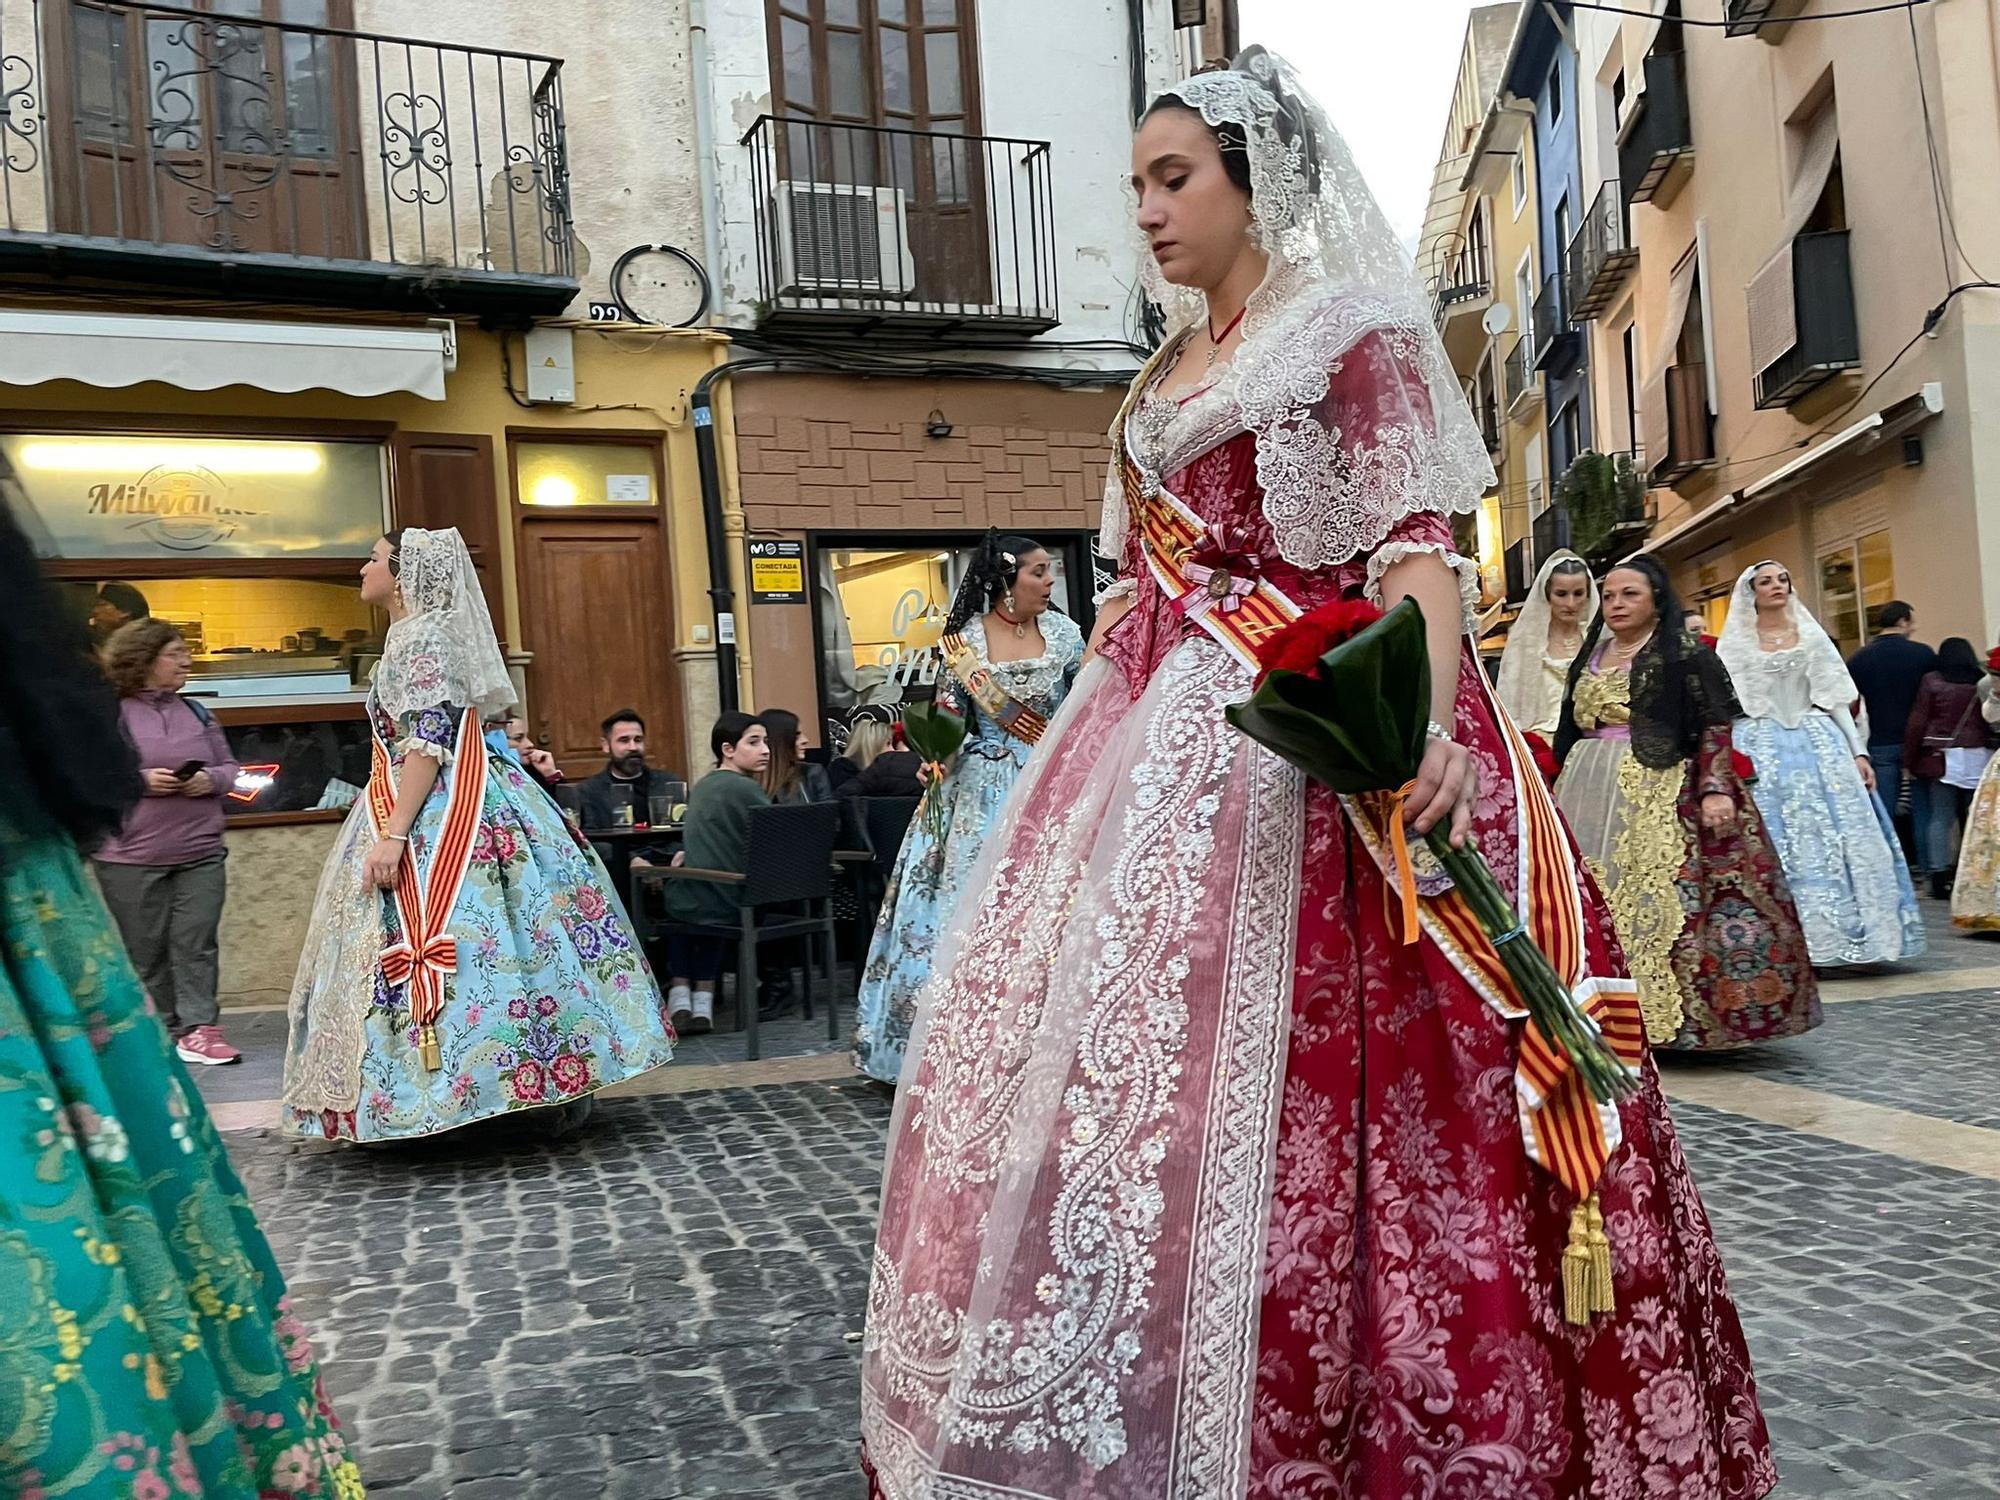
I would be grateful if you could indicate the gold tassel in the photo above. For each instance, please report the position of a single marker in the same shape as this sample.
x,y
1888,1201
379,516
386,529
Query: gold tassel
x,y
1603,1297
1577,1278
427,1049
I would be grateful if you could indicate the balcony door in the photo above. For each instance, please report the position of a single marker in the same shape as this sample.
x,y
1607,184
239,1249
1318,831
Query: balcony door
x,y
224,130
894,87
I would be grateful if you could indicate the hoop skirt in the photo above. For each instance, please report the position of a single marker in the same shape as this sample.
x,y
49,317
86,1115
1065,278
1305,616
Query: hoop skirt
x,y
147,1347
1204,1185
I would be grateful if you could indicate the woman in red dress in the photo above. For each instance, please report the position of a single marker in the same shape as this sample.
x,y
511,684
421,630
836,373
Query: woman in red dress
x,y
1205,1183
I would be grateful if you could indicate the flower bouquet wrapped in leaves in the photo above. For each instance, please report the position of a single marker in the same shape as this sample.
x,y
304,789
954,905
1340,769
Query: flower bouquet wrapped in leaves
x,y
935,732
1345,696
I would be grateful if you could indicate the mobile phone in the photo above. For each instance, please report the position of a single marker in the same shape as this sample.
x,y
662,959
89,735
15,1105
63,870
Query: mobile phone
x,y
186,771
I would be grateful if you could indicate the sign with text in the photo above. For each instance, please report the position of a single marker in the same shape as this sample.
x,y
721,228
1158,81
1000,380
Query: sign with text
x,y
777,572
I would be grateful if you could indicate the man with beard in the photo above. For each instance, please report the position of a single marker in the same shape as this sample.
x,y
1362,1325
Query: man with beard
x,y
625,775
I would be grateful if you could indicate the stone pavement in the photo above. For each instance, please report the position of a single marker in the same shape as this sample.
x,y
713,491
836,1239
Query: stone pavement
x,y
667,1303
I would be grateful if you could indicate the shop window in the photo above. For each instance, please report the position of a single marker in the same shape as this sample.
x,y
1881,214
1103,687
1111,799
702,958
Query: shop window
x,y
1855,579
881,612
294,768
555,476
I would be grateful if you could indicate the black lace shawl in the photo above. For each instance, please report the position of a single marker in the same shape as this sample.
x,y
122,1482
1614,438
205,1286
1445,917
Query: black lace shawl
x,y
1679,690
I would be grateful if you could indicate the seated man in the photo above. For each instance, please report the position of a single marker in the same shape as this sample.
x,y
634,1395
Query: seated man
x,y
716,836
625,772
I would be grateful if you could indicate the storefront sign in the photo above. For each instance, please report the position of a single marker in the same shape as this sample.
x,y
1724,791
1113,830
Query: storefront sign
x,y
91,496
777,572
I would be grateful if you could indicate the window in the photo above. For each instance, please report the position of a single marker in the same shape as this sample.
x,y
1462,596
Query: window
x,y
1524,293
1561,255
1855,579
1565,438
905,63
1556,93
555,475
1618,96
1520,182
1629,346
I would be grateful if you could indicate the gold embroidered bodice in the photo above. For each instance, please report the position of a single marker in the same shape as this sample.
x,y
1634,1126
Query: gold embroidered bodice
x,y
1603,698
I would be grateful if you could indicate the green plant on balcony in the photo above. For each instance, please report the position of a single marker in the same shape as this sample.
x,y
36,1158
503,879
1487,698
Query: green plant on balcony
x,y
1602,493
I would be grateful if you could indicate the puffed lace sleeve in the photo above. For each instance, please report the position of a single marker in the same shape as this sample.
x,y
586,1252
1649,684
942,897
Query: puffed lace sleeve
x,y
1424,532
429,731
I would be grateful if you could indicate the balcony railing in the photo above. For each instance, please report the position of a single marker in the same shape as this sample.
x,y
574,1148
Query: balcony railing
x,y
861,225
1690,425
1828,336
1524,386
1551,531
1749,17
152,143
1601,256
1489,417
1520,565
1556,340
1614,522
1464,277
1659,143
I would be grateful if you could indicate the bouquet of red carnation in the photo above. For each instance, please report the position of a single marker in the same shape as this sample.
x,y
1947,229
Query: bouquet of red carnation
x,y
1745,767
1993,661
1544,756
935,732
1345,695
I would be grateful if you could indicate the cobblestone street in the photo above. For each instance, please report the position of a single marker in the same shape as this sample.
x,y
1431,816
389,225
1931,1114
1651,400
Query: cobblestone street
x,y
668,1302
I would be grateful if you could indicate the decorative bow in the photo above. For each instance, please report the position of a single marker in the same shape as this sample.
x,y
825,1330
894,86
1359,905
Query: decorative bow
x,y
1223,570
424,965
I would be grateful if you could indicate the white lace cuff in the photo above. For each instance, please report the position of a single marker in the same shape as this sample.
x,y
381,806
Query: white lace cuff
x,y
1389,554
1124,588
416,744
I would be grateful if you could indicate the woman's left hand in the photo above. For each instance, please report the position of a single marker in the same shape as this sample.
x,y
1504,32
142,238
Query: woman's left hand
x,y
1718,813
384,863
1867,769
1446,787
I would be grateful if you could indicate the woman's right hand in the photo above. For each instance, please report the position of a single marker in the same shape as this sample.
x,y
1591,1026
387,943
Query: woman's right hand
x,y
163,784
1107,619
384,863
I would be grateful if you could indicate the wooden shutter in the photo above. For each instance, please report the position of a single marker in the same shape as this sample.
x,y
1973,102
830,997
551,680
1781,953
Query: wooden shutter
x,y
446,479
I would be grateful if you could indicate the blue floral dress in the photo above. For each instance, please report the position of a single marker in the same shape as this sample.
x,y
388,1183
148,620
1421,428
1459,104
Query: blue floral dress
x,y
925,885
551,999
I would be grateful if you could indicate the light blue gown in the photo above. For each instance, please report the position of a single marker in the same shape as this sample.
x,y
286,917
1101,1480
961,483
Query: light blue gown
x,y
925,886
1832,834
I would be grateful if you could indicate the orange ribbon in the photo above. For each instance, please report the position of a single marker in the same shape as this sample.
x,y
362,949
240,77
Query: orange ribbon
x,y
1399,847
424,966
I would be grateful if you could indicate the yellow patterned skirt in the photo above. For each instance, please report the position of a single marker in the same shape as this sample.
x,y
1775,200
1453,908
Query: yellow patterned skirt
x,y
1975,896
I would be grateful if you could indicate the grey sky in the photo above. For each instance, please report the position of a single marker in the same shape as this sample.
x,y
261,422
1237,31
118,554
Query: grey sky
x,y
1384,71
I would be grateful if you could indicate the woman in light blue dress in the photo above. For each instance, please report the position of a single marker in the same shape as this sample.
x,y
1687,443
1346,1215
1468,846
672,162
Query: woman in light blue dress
x,y
1009,662
1815,785
466,958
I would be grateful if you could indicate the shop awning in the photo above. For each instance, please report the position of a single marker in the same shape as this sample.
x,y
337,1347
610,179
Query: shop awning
x,y
205,354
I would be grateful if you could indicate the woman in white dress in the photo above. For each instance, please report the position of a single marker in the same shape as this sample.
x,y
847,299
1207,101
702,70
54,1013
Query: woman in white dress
x,y
1542,646
1815,785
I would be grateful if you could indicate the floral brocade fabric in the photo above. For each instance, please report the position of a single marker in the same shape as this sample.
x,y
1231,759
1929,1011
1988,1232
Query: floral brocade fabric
x,y
147,1350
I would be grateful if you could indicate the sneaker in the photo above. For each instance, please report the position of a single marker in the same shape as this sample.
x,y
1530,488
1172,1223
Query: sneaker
x,y
204,1044
703,1017
678,1011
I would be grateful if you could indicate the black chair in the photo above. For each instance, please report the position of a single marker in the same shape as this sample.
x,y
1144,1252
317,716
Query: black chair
x,y
886,823
784,892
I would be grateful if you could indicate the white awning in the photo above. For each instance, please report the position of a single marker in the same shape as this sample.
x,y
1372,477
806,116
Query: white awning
x,y
205,354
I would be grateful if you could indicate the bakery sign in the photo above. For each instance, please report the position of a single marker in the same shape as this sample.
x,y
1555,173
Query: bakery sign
x,y
137,497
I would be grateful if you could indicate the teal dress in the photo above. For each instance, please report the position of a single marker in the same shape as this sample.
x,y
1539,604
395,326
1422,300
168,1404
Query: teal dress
x,y
550,998
929,873
147,1349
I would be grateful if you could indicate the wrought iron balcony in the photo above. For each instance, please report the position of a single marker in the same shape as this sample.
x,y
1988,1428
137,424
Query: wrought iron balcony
x,y
1551,531
1828,338
261,159
863,225
1524,385
1463,281
1750,17
1602,508
1601,256
1658,149
1489,418
1556,338
1520,564
1690,425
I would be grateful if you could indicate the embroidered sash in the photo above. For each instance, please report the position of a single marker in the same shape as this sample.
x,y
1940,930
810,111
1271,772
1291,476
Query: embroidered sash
x,y
424,898
1169,533
976,678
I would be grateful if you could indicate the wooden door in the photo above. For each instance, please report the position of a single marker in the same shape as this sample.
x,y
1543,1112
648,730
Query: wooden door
x,y
446,479
597,615
214,129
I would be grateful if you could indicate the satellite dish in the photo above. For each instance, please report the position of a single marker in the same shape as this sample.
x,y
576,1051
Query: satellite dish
x,y
1499,318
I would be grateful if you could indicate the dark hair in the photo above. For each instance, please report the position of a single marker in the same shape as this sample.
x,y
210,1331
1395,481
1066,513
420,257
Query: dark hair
x,y
395,541
729,730
1569,567
786,770
1289,123
63,753
1892,614
122,596
623,716
130,653
992,572
1958,662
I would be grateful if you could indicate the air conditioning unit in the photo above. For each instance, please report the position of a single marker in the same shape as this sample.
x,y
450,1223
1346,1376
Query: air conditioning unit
x,y
843,237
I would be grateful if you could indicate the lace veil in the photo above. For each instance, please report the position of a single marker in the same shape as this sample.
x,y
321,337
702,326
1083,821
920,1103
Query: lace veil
x,y
444,650
1337,276
1832,686
1521,676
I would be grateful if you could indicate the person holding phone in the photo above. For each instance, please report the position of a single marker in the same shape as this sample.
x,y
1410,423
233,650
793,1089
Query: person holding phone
x,y
162,876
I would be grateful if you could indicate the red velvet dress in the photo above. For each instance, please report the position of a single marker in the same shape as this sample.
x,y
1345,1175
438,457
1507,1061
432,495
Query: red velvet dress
x,y
1050,1316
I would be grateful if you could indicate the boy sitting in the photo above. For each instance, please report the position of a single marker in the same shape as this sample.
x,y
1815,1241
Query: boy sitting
x,y
714,836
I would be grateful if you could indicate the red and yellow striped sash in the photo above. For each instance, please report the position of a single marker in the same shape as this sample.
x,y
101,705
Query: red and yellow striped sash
x,y
1170,533
1012,715
425,898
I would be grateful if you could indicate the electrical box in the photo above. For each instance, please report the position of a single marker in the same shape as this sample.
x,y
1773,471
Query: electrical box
x,y
552,366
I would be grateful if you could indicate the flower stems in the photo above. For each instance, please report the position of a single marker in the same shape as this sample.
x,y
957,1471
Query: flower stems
x,y
1545,994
